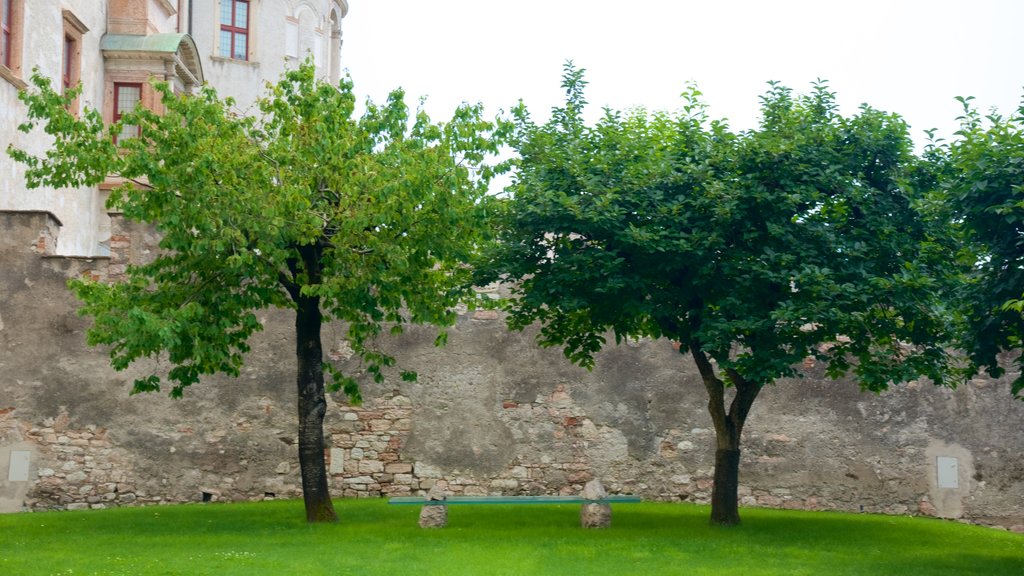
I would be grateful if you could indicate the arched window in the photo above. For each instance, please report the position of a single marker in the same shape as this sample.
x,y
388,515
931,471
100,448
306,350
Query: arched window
x,y
334,56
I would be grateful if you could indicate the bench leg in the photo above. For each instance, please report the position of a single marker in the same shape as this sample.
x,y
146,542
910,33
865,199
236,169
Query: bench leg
x,y
434,516
596,515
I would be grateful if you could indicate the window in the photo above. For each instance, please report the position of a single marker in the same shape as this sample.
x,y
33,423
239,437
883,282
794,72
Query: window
x,y
71,62
234,29
69,51
10,39
6,28
126,98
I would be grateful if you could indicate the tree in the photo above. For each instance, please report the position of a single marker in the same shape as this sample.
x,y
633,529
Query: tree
x,y
986,189
754,250
365,220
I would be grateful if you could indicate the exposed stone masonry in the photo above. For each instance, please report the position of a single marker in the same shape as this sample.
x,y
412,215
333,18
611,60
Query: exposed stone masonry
x,y
368,439
83,469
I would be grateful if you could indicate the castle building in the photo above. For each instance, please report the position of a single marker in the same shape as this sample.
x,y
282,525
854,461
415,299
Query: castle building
x,y
115,47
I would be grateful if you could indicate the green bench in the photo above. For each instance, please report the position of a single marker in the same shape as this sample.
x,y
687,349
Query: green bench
x,y
591,515
423,501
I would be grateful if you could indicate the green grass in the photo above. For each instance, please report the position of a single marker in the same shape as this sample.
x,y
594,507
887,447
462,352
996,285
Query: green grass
x,y
374,538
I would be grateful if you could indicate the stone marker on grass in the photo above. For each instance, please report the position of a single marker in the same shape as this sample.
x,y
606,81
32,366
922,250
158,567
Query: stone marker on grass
x,y
592,514
435,515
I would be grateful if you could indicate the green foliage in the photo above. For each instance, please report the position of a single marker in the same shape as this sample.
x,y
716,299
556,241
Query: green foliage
x,y
365,219
986,188
807,236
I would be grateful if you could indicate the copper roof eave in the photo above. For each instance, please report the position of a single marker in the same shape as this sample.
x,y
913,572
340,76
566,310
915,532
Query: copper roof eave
x,y
179,48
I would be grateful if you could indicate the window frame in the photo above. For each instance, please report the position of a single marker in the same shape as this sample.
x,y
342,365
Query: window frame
x,y
11,28
234,30
117,113
71,55
6,28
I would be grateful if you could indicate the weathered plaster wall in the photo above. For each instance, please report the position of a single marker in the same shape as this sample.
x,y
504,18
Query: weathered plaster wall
x,y
490,413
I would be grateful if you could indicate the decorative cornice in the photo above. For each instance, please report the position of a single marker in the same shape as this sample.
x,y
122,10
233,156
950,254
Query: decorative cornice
x,y
75,23
166,5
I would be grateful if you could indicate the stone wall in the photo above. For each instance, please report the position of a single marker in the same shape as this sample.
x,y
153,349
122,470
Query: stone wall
x,y
490,413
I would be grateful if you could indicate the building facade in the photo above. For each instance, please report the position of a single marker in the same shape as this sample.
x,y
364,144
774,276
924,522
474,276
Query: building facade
x,y
115,47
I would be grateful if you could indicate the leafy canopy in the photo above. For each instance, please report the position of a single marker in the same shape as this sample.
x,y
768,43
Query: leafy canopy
x,y
986,188
371,216
799,238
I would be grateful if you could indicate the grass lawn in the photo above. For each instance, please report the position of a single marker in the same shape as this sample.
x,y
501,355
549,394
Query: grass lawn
x,y
374,538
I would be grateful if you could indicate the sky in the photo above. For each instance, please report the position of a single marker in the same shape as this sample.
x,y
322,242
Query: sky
x,y
911,57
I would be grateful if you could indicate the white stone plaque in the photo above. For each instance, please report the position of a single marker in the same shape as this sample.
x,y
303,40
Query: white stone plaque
x,y
337,461
19,466
949,471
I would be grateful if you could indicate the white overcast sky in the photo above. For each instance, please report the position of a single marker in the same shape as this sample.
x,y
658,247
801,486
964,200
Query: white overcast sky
x,y
906,56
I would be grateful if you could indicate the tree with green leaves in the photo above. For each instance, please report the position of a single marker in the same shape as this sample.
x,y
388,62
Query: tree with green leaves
x,y
753,251
985,184
365,219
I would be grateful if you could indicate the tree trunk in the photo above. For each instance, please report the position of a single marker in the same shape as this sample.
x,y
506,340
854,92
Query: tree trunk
x,y
725,509
312,408
728,431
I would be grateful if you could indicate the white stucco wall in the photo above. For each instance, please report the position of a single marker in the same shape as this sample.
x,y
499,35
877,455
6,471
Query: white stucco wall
x,y
80,210
275,25
277,28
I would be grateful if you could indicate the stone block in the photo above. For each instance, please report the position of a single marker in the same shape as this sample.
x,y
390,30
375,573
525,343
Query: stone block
x,y
398,468
370,466
595,515
380,425
424,470
504,484
579,477
435,516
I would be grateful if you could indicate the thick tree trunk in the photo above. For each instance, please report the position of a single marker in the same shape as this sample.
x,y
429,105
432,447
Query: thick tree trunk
x,y
725,510
728,431
312,408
